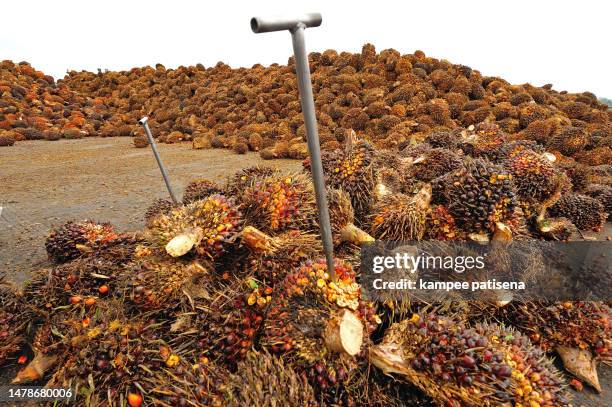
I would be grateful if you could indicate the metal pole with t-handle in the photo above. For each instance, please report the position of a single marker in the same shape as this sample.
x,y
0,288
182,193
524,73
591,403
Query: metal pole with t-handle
x,y
297,26
144,122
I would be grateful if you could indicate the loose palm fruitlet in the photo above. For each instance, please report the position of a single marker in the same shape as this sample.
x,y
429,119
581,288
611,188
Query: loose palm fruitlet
x,y
479,194
279,203
72,239
266,381
207,226
486,365
200,189
583,211
14,322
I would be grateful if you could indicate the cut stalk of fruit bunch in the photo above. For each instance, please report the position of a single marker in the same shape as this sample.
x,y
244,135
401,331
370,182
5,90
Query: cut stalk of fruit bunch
x,y
206,227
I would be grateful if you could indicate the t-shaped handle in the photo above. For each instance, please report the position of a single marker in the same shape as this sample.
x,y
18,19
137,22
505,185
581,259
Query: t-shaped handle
x,y
265,25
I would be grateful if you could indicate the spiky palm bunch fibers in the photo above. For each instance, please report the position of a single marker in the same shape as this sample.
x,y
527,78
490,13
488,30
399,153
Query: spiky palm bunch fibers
x,y
585,212
455,364
479,194
69,240
265,380
280,203
13,322
208,226
245,178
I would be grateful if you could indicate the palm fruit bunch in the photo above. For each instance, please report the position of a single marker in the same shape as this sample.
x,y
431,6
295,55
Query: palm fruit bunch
x,y
283,202
14,322
84,279
485,140
208,226
512,148
105,359
583,211
70,240
245,178
434,163
400,217
318,326
569,141
487,365
227,324
159,206
342,218
480,194
266,381
272,256
200,189
603,193
441,225
534,175
576,330
351,170
152,283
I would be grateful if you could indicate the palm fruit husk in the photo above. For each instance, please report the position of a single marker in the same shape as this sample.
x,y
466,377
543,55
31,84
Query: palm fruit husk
x,y
480,194
225,324
351,170
283,202
245,178
207,227
14,322
272,256
583,211
265,380
159,206
456,365
319,326
563,326
200,189
342,219
401,217
71,239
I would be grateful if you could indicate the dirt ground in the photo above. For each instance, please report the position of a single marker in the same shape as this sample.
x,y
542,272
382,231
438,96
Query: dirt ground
x,y
44,183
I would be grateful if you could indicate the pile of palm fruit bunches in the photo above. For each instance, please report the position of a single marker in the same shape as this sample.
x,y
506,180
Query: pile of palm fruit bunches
x,y
224,299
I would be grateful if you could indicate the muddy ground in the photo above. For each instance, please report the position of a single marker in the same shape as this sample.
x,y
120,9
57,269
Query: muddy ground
x,y
43,184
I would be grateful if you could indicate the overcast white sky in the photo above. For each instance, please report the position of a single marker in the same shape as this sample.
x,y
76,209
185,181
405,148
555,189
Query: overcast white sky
x,y
566,43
